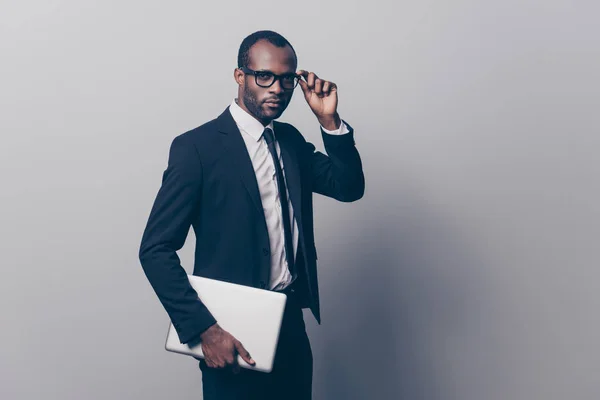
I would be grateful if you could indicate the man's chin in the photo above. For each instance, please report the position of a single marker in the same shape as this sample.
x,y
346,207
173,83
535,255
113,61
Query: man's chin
x,y
272,113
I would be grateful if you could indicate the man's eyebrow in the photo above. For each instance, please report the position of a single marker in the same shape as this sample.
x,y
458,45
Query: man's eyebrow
x,y
285,73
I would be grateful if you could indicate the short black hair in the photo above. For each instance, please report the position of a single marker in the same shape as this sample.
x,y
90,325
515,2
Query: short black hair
x,y
270,36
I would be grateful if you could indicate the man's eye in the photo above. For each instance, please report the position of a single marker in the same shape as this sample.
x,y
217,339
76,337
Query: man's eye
x,y
264,75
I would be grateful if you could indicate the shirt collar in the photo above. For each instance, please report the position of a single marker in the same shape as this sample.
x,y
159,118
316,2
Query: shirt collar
x,y
247,122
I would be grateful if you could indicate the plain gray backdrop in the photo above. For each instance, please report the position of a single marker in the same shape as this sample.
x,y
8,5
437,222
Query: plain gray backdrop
x,y
469,270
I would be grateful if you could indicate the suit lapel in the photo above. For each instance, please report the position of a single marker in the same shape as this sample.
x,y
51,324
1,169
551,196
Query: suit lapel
x,y
233,141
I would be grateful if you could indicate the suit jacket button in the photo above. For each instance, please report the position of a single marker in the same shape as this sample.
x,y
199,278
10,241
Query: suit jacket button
x,y
265,251
263,284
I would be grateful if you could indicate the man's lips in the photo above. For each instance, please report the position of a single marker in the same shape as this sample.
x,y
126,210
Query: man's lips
x,y
274,103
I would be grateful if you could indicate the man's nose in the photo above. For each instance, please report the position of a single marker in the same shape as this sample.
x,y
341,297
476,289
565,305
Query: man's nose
x,y
276,87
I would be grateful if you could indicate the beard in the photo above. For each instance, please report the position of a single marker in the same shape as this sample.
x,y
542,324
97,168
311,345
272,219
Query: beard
x,y
255,108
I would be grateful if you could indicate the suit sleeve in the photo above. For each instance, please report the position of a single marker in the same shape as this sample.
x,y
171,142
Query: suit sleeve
x,y
170,219
338,174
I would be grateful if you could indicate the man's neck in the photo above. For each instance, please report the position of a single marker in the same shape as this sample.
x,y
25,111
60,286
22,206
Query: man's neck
x,y
243,107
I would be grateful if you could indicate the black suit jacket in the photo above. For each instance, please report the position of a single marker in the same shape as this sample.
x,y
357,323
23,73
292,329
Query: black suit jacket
x,y
210,184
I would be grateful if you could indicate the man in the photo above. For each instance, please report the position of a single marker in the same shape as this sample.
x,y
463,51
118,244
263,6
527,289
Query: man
x,y
244,182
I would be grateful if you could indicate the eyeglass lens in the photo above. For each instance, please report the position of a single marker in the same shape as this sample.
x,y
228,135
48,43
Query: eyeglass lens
x,y
266,79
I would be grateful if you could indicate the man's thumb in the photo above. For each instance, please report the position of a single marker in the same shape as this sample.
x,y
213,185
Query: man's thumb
x,y
244,353
303,85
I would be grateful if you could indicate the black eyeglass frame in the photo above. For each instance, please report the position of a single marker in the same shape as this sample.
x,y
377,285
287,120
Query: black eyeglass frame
x,y
276,77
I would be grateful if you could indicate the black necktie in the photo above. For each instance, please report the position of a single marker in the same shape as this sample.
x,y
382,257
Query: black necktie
x,y
285,212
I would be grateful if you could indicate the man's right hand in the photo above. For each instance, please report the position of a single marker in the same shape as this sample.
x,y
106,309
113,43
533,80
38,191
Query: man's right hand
x,y
220,349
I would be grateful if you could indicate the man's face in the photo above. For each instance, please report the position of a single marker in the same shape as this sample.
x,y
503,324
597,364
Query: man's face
x,y
265,56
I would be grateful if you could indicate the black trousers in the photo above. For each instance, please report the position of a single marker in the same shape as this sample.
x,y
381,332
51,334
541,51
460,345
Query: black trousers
x,y
291,377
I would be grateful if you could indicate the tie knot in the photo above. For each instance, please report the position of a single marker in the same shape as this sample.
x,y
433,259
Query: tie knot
x,y
268,134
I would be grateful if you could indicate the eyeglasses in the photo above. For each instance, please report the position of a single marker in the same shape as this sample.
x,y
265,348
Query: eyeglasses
x,y
266,79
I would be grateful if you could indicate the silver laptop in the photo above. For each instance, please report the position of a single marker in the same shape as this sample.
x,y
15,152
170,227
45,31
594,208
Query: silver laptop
x,y
251,315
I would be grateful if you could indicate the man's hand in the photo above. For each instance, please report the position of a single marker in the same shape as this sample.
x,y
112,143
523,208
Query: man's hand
x,y
220,349
321,96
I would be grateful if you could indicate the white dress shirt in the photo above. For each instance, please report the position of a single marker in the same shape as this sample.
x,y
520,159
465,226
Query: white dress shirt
x,y
262,162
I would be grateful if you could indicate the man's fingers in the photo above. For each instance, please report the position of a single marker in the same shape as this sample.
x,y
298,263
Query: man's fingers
x,y
215,362
312,83
220,363
311,80
244,353
303,86
319,87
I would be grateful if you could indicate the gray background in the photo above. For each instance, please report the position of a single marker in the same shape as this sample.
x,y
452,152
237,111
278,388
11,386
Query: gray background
x,y
468,271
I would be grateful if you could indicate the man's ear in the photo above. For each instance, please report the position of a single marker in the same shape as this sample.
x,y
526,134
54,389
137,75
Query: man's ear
x,y
238,75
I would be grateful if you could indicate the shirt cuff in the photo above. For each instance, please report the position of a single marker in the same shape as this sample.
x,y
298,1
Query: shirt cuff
x,y
342,130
